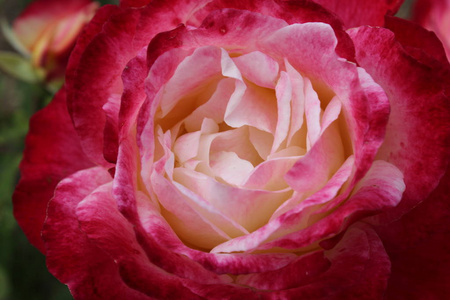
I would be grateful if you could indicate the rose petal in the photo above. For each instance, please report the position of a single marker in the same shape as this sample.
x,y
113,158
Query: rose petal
x,y
381,188
290,11
283,92
359,269
70,254
110,231
164,236
258,68
411,36
420,254
249,208
50,155
356,13
418,129
229,167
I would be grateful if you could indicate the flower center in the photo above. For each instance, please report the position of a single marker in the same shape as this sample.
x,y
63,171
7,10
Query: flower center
x,y
228,130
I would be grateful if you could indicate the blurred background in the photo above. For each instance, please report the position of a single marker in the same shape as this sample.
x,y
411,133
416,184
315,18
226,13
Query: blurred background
x,y
23,274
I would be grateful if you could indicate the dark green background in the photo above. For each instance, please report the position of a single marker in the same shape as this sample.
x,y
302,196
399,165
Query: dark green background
x,y
23,275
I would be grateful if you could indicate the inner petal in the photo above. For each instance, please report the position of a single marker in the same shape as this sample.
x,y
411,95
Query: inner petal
x,y
258,68
255,108
229,167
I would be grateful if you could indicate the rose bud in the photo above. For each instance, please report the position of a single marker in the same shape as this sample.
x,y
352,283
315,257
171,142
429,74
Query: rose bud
x,y
224,149
46,31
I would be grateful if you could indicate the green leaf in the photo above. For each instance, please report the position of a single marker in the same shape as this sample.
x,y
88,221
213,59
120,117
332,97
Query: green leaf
x,y
12,38
19,67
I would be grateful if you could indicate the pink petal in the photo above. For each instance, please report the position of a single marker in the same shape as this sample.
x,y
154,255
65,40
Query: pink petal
x,y
314,169
229,167
255,108
365,101
50,156
359,268
237,141
97,77
298,104
418,132
71,256
94,75
283,92
380,189
296,210
110,231
269,175
262,141
290,11
191,74
249,208
312,113
192,217
237,263
330,114
214,108
258,68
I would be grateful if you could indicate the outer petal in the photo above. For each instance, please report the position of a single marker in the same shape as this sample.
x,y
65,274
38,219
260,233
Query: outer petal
x,y
97,78
143,264
434,15
359,269
412,37
419,248
134,3
71,257
291,11
50,155
356,13
418,132
110,231
94,74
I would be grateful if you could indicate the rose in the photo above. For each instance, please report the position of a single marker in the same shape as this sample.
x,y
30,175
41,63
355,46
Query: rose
x,y
435,16
257,151
46,31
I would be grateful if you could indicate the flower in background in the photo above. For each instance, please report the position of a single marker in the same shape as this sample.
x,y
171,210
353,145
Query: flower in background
x,y
434,15
45,34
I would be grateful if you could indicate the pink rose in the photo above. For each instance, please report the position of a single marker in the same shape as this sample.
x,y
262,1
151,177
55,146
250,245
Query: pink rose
x,y
225,149
47,30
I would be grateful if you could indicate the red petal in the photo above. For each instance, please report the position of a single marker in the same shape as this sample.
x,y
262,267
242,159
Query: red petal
x,y
359,269
418,131
71,256
52,152
134,3
356,13
419,248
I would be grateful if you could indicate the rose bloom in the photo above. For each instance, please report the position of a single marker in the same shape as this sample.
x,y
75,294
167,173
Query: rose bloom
x,y
434,15
47,31
224,149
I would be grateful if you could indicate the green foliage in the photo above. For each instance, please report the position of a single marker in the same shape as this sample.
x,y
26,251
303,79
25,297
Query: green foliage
x,y
19,67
